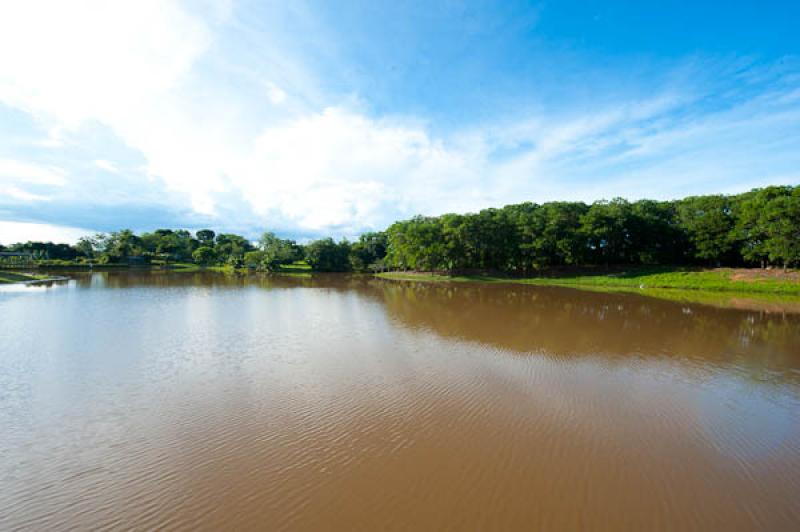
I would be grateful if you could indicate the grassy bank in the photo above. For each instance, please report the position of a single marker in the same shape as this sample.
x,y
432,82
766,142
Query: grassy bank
x,y
295,267
740,281
299,266
14,277
155,265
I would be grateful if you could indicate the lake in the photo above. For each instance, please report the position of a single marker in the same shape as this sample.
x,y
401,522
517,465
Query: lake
x,y
143,400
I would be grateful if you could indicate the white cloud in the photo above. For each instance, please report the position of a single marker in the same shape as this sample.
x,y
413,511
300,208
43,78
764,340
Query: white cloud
x,y
13,232
275,94
22,195
216,135
129,66
93,59
18,171
339,168
108,166
118,63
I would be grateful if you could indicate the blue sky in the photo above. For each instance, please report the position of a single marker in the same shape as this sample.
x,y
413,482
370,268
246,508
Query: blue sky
x,y
331,118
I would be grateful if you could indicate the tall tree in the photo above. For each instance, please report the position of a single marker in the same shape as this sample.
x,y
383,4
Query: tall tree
x,y
204,255
206,237
325,255
276,251
708,222
369,251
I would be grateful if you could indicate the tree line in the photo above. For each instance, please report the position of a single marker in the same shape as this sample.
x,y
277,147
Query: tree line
x,y
756,228
760,227
206,247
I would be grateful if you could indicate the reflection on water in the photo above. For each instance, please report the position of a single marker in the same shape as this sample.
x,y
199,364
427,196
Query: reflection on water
x,y
198,400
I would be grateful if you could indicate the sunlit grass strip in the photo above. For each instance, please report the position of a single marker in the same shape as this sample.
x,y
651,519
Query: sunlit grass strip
x,y
14,277
299,266
718,281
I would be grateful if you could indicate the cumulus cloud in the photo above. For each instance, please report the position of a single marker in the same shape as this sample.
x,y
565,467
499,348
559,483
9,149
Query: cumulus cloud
x,y
108,166
22,195
230,137
94,60
17,178
12,232
129,67
339,168
19,171
120,64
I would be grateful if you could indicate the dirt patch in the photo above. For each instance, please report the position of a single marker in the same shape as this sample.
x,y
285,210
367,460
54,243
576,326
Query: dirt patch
x,y
758,274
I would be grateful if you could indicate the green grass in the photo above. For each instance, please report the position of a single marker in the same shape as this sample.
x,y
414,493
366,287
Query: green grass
x,y
14,277
158,264
295,267
714,280
435,277
183,266
77,266
717,298
299,266
635,279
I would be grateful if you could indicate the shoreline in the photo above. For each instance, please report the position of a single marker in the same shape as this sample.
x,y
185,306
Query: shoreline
x,y
10,278
723,280
729,298
709,287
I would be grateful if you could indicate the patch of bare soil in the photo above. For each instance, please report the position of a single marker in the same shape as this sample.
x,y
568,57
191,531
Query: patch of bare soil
x,y
759,274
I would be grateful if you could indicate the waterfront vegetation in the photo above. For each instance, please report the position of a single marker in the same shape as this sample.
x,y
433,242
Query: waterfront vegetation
x,y
16,277
713,242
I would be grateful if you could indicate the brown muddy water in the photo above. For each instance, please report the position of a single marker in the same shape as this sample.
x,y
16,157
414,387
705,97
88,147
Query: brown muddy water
x,y
202,401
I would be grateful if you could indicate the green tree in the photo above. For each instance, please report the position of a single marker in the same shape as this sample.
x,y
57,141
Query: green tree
x,y
325,255
206,237
606,228
709,223
783,226
768,225
417,244
369,251
254,259
121,245
277,251
228,245
204,255
655,235
168,244
557,240
87,246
